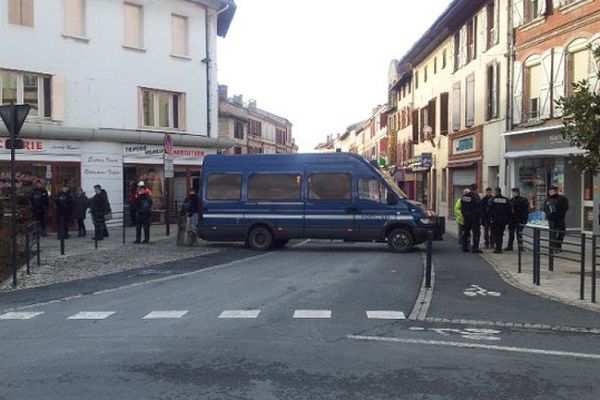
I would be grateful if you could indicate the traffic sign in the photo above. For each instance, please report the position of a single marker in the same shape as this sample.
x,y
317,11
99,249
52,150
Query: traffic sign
x,y
13,124
168,143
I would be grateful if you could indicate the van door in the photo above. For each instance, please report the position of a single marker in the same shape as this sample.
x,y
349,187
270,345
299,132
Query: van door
x,y
374,213
329,208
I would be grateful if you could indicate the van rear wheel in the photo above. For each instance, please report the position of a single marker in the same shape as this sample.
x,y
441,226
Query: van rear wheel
x,y
260,238
400,241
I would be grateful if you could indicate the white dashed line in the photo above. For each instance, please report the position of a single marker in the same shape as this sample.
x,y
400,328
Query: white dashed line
x,y
166,314
241,314
312,314
385,315
20,315
96,315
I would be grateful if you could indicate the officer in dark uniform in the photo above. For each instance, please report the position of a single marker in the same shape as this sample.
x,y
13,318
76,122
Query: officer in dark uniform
x,y
556,207
485,217
471,210
500,214
519,206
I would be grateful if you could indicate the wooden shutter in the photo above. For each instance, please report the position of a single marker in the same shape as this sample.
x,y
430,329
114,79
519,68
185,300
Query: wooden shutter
x,y
179,35
558,79
496,90
27,13
431,116
470,101
444,113
496,16
484,28
545,84
132,16
593,67
58,98
462,53
456,100
518,13
415,125
74,15
542,7
517,92
14,12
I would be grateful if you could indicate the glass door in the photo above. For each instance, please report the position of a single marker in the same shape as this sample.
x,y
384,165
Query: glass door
x,y
588,202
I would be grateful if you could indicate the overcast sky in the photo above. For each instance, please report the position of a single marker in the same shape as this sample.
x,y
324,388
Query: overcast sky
x,y
322,64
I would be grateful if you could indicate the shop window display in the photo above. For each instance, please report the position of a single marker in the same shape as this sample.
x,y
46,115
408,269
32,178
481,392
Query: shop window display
x,y
535,177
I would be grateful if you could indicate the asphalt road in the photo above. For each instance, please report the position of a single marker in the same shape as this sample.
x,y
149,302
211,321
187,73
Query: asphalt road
x,y
164,338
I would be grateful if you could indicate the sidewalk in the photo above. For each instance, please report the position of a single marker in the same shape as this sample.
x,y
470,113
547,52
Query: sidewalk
x,y
561,285
82,260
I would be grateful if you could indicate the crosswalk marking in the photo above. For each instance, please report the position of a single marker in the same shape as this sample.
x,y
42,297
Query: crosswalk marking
x,y
312,314
239,314
165,314
20,315
385,315
96,315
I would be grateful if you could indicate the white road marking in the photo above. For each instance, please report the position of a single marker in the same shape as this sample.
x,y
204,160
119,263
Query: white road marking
x,y
92,315
467,333
312,314
20,315
166,314
242,314
385,315
475,290
525,350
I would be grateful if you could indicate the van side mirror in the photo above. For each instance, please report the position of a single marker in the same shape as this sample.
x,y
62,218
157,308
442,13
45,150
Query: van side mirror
x,y
392,199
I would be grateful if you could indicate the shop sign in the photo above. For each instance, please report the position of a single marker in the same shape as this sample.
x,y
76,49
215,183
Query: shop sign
x,y
537,141
96,166
144,150
46,146
464,144
426,160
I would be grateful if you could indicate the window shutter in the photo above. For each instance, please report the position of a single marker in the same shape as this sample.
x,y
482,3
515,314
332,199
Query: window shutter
x,y
74,14
545,84
431,116
462,55
14,12
496,31
456,107
470,101
179,35
444,113
593,67
517,13
484,27
183,114
27,13
542,7
132,16
58,98
415,125
558,78
495,91
556,4
517,103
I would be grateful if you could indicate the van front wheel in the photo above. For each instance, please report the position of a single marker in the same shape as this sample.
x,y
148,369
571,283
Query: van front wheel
x,y
400,241
260,239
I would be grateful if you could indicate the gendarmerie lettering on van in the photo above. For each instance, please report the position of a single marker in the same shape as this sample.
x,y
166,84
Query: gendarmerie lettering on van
x,y
266,200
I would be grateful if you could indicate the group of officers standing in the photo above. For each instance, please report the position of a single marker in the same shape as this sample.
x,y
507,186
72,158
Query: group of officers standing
x,y
495,212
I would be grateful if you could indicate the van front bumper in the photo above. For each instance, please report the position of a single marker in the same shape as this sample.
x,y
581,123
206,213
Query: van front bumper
x,y
438,229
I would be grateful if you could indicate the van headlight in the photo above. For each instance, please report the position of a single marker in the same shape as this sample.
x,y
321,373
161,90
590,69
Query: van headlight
x,y
428,221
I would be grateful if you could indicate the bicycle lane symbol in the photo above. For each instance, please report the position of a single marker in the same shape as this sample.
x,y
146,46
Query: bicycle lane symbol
x,y
467,333
476,290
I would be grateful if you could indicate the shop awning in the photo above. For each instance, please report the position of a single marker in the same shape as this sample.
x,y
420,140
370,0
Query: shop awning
x,y
462,164
560,152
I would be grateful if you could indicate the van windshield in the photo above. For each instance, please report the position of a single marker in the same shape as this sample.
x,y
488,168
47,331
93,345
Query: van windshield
x,y
388,179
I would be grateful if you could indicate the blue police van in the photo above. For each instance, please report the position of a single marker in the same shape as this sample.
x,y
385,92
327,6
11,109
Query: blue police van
x,y
266,200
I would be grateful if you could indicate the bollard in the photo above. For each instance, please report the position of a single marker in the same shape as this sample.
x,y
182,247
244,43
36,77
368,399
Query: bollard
x,y
594,244
27,245
429,260
61,227
520,258
123,226
536,256
550,252
582,271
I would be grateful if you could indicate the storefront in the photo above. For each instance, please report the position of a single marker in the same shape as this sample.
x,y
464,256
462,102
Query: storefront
x,y
538,159
464,161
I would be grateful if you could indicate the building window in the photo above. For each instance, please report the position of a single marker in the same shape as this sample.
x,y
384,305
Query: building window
x,y
134,26
491,29
329,186
74,18
456,100
255,128
444,113
470,40
532,92
492,84
532,9
238,130
577,68
456,51
274,187
27,88
280,136
20,12
425,74
470,101
224,187
161,109
179,35
444,58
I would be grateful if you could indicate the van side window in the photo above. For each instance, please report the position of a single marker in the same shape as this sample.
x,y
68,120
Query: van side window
x,y
372,189
274,187
224,187
329,186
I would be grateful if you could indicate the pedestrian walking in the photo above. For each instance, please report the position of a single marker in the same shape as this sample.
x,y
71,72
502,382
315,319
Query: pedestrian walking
x,y
99,209
80,205
40,203
486,222
64,211
556,207
471,211
500,214
143,207
519,217
460,220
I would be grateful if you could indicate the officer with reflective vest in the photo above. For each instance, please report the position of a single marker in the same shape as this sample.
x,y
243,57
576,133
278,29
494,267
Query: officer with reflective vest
x,y
500,214
471,211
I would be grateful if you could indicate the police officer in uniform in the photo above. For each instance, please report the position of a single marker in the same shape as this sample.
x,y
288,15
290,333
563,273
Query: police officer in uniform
x,y
485,217
471,211
519,216
500,214
556,207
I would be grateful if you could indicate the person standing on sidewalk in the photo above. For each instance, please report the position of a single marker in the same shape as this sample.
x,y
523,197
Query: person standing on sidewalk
x,y
556,207
143,207
470,208
486,222
64,211
519,217
500,216
99,208
80,205
460,220
39,205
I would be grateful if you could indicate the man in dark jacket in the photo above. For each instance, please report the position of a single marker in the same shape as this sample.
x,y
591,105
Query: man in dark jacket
x,y
500,216
39,205
556,207
99,208
519,206
471,211
64,211
485,217
143,207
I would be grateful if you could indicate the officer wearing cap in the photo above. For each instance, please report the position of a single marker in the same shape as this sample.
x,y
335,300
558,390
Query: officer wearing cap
x,y
471,211
519,206
500,214
556,207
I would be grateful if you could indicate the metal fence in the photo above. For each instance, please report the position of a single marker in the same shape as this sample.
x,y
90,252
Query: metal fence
x,y
560,245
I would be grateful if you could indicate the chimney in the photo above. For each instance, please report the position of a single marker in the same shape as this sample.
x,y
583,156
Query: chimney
x,y
252,103
222,92
238,99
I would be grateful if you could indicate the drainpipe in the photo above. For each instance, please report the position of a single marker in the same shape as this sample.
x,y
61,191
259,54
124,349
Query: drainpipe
x,y
510,76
